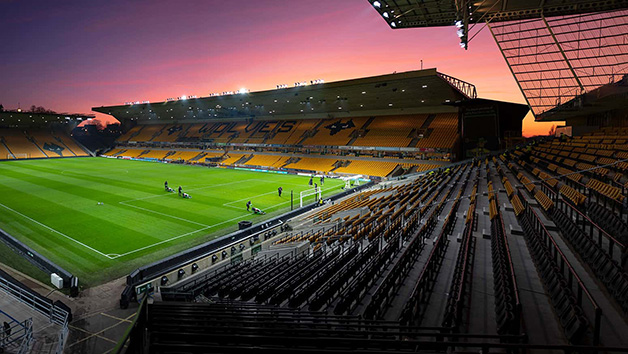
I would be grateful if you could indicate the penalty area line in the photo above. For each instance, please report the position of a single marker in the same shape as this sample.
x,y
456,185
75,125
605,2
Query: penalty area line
x,y
180,236
57,232
163,214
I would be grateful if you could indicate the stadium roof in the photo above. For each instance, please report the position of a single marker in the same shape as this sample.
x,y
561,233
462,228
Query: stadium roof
x,y
606,98
17,118
420,91
433,13
556,50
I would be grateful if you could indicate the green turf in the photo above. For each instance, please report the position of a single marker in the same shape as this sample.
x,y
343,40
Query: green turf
x,y
52,206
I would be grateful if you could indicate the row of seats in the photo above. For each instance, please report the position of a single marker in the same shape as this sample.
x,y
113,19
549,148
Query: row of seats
x,y
611,192
391,131
388,131
609,271
32,143
571,315
507,303
453,316
444,134
600,214
385,292
414,308
359,283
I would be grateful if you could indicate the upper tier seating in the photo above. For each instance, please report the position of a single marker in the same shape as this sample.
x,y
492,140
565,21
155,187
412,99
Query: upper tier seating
x,y
374,168
391,131
444,134
335,131
319,164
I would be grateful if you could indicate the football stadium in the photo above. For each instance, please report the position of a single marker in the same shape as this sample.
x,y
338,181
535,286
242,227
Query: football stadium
x,y
379,213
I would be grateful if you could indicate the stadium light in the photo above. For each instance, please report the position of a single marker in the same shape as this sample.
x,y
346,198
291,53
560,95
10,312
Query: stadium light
x,y
385,14
243,91
377,4
393,24
461,31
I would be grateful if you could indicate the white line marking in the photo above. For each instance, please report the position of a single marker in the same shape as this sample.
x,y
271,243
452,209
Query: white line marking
x,y
162,214
100,173
183,235
55,231
187,190
249,198
228,204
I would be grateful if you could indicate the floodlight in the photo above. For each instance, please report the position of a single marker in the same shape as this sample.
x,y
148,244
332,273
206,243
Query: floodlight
x,y
385,14
377,4
393,24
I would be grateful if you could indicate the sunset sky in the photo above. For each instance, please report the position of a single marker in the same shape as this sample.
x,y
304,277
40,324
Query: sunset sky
x,y
72,55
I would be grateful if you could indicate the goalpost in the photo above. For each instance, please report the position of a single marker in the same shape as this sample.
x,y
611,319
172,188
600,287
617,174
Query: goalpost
x,y
17,156
308,193
351,181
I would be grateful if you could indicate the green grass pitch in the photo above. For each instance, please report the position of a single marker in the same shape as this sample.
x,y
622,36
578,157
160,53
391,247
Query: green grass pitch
x,y
53,206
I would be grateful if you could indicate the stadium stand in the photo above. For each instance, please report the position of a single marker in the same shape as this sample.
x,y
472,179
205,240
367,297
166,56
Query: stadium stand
x,y
21,144
374,168
320,164
390,131
334,132
307,138
130,133
37,143
70,144
148,132
442,132
380,260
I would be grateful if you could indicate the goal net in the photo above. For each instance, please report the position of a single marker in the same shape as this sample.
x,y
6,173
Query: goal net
x,y
303,196
351,181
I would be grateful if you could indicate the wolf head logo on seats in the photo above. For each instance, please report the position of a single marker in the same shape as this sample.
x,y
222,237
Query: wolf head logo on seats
x,y
339,126
54,148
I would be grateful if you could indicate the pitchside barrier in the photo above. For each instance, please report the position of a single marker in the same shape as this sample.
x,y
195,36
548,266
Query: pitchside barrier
x,y
37,259
150,278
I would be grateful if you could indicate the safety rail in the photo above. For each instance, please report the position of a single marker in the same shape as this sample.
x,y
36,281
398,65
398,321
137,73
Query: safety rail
x,y
564,266
387,290
509,321
309,285
581,219
334,284
413,308
463,270
18,335
351,293
55,314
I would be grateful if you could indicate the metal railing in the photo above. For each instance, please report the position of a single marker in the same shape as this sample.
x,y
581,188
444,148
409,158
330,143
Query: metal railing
x,y
54,313
583,296
18,335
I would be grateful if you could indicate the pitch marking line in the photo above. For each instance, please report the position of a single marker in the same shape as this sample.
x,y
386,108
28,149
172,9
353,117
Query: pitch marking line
x,y
191,190
180,236
163,214
57,232
228,204
199,230
126,203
